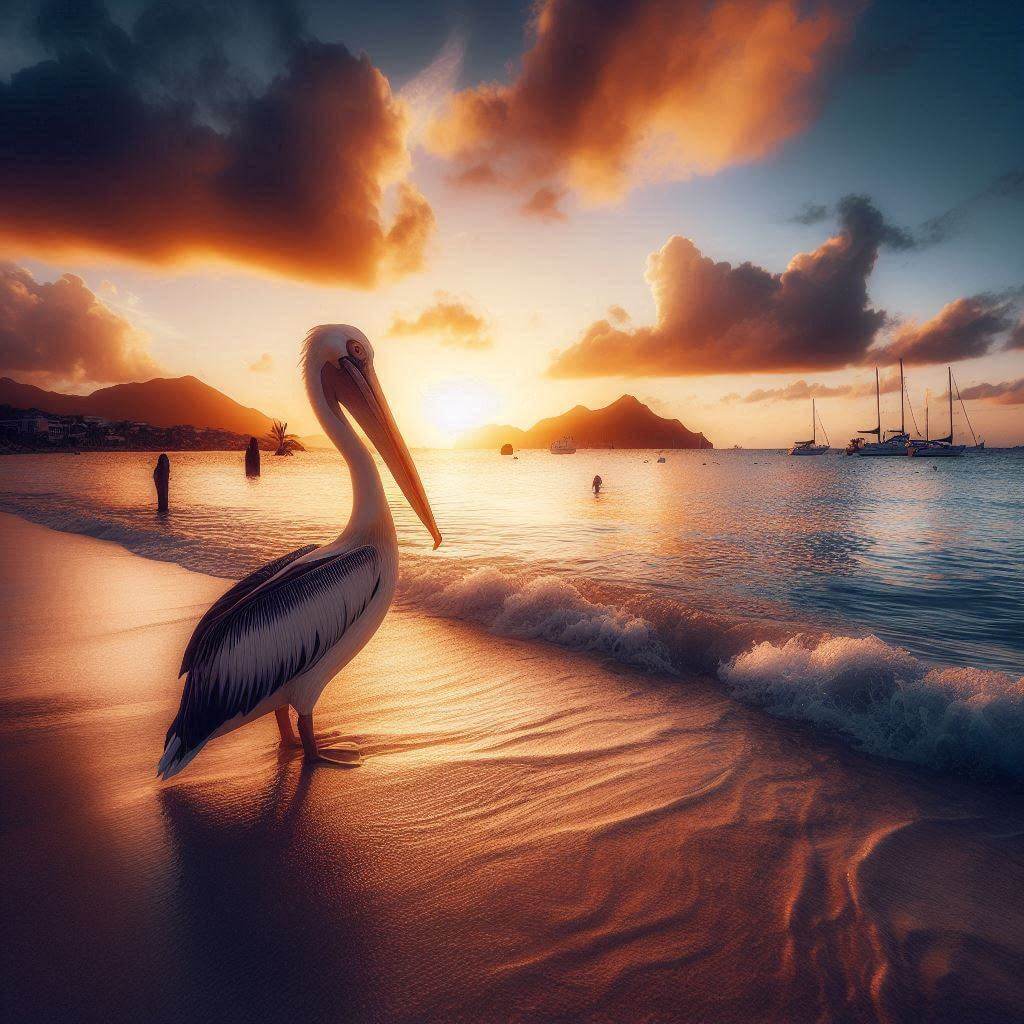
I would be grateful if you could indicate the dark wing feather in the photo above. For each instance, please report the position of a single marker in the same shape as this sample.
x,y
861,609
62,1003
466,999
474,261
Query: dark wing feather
x,y
274,633
227,600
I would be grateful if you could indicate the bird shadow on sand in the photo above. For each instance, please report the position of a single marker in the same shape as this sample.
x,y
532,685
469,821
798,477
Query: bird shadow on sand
x,y
266,928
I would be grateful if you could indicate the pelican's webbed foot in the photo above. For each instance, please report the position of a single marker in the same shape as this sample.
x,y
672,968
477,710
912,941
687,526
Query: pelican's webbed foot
x,y
346,755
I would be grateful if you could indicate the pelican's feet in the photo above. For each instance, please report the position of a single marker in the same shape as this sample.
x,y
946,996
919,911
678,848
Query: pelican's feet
x,y
346,755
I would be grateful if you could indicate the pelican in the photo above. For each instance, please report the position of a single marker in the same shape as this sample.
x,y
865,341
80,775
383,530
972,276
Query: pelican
x,y
279,636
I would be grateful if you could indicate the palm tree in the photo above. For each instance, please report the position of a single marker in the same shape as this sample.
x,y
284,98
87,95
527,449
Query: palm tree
x,y
281,441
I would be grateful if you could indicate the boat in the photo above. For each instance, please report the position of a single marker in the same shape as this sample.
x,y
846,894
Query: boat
x,y
563,446
661,456
941,447
891,442
812,447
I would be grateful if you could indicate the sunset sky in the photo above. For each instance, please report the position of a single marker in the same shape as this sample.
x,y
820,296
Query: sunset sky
x,y
719,207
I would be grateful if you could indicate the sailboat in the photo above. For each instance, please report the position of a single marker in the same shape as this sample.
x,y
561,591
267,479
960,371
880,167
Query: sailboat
x,y
812,447
941,447
893,442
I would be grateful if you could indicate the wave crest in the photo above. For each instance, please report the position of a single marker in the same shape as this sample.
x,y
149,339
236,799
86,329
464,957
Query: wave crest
x,y
889,703
543,608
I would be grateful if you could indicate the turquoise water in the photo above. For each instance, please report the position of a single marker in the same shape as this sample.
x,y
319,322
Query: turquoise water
x,y
931,559
877,599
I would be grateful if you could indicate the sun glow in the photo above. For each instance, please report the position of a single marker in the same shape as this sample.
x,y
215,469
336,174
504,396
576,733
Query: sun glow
x,y
454,406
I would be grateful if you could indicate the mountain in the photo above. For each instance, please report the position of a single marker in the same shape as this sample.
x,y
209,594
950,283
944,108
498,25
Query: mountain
x,y
316,442
162,402
626,423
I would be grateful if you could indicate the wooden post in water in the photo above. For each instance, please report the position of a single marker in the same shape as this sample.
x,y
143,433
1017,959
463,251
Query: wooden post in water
x,y
252,458
162,479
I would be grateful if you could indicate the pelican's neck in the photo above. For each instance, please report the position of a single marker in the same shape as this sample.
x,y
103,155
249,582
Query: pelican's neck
x,y
370,507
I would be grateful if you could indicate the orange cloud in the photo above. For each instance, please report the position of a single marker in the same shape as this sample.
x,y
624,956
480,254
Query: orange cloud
x,y
59,332
717,318
613,92
802,390
1010,392
291,179
264,364
962,329
447,319
543,205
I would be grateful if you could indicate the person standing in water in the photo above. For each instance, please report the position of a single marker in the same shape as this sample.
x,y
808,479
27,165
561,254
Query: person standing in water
x,y
597,485
162,478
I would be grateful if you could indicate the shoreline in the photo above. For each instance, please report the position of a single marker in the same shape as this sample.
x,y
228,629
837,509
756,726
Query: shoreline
x,y
534,835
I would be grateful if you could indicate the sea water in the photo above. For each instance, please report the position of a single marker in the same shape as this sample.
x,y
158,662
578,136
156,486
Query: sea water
x,y
882,599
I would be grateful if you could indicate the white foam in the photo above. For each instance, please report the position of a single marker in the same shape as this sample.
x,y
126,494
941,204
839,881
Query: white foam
x,y
881,698
888,702
544,608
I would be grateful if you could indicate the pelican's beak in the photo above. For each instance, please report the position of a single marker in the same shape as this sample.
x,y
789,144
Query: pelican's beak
x,y
357,388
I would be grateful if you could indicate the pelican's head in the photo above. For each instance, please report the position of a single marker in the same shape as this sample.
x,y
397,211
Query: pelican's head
x,y
339,359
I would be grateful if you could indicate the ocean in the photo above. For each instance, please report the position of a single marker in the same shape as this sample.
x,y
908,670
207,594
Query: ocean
x,y
880,600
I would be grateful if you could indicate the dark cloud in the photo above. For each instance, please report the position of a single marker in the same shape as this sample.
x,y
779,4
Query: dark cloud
x,y
810,213
963,329
610,92
449,320
150,143
938,229
1010,392
543,205
1016,338
59,332
717,318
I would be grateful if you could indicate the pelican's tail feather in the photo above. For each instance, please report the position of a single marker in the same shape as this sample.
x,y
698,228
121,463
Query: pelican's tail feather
x,y
170,764
176,755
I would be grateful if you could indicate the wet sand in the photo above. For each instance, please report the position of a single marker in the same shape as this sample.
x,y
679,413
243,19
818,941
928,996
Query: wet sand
x,y
534,836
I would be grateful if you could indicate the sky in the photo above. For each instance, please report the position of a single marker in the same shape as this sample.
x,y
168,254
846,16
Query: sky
x,y
722,208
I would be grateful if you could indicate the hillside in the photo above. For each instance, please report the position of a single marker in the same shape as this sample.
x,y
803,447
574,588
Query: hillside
x,y
626,423
162,402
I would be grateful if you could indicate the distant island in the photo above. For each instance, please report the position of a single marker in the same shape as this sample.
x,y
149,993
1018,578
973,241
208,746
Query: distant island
x,y
179,413
626,423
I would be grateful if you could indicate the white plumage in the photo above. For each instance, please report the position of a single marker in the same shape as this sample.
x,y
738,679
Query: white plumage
x,y
278,636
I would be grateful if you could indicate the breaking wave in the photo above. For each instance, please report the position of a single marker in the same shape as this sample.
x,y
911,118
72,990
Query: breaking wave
x,y
878,697
890,703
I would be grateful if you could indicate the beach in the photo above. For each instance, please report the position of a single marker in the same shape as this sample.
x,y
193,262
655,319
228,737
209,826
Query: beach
x,y
535,835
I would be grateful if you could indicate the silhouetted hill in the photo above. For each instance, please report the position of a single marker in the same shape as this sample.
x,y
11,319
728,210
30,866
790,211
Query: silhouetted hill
x,y
626,423
162,402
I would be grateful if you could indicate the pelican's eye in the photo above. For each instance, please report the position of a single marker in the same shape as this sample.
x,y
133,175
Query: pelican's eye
x,y
356,350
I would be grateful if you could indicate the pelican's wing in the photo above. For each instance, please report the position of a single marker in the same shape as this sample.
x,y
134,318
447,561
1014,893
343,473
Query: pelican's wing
x,y
275,632
244,586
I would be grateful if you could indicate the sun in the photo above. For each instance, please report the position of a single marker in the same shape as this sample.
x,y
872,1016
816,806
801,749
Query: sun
x,y
454,406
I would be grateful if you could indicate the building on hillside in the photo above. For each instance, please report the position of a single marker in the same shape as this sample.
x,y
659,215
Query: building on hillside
x,y
28,424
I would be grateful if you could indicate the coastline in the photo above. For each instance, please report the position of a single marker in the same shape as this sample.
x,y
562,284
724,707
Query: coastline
x,y
535,834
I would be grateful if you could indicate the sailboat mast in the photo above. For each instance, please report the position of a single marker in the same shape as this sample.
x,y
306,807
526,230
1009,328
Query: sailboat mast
x,y
949,370
814,424
903,422
878,406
